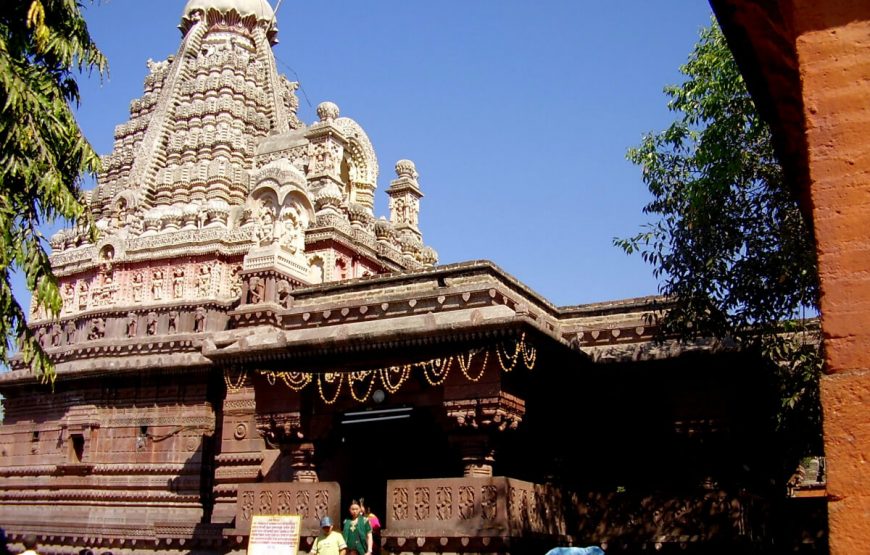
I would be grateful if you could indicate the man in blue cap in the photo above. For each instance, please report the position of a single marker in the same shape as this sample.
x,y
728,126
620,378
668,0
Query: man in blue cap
x,y
328,542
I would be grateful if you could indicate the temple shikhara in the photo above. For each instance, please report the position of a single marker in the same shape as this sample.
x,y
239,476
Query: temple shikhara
x,y
247,336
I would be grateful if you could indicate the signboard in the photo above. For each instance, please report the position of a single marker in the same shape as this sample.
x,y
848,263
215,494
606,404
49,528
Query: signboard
x,y
274,535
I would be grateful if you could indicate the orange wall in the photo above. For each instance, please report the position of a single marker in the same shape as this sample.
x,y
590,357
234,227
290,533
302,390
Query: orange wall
x,y
833,48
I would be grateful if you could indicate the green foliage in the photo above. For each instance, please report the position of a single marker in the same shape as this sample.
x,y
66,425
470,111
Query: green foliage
x,y
728,242
43,154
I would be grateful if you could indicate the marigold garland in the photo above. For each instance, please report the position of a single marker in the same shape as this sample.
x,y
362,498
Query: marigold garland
x,y
392,378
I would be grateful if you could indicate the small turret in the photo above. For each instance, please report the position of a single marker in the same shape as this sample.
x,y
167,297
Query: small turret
x,y
405,195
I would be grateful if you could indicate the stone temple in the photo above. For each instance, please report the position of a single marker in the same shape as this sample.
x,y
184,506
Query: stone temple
x,y
247,336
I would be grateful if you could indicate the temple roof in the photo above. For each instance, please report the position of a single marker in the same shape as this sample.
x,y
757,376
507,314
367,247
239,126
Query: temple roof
x,y
260,8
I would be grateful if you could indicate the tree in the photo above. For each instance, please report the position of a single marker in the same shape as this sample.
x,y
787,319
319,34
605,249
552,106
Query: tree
x,y
729,245
43,154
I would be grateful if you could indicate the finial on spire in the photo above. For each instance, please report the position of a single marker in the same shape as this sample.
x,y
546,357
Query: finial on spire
x,y
406,168
327,111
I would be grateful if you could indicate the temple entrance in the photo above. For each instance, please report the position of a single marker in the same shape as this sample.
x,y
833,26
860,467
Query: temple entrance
x,y
367,448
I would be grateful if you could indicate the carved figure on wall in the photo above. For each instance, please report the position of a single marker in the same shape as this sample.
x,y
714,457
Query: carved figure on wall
x,y
178,283
173,321
324,158
264,229
70,332
236,282
283,291
315,272
103,296
397,207
341,270
120,216
255,290
67,295
203,280
291,234
55,335
199,320
138,282
201,217
132,324
41,337
151,324
157,285
98,329
107,255
83,295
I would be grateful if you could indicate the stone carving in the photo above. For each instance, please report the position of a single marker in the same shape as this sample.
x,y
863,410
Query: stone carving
x,y
488,499
398,211
321,501
67,296
157,285
172,321
283,290
247,503
466,502
199,320
178,283
97,329
41,337
400,503
290,234
277,429
83,295
264,227
496,413
132,324
203,280
327,111
70,332
324,158
120,214
303,503
151,324
421,503
236,282
256,289
136,288
264,507
55,335
443,503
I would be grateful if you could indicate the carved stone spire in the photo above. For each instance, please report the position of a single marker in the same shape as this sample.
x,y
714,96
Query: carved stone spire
x,y
405,195
191,138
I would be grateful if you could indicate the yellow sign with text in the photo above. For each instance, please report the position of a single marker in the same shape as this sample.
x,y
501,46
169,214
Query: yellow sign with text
x,y
274,535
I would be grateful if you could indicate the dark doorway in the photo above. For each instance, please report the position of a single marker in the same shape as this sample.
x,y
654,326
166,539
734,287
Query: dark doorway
x,y
366,450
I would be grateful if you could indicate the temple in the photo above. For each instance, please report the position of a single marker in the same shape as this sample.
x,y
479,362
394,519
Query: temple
x,y
246,336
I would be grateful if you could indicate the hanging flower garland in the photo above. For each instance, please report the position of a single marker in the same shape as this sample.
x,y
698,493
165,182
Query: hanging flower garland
x,y
329,377
234,386
435,371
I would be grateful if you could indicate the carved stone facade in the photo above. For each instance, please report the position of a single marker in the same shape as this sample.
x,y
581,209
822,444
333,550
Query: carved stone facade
x,y
246,337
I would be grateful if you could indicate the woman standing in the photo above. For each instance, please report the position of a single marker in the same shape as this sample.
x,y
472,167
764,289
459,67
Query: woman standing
x,y
358,532
375,523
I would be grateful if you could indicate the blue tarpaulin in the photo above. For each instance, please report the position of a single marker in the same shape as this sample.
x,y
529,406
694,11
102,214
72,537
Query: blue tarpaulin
x,y
593,550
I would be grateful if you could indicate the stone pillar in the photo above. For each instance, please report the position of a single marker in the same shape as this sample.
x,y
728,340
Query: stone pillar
x,y
302,462
475,425
477,453
241,450
284,431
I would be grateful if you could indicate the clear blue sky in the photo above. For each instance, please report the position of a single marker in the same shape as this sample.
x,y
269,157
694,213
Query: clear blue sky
x,y
517,114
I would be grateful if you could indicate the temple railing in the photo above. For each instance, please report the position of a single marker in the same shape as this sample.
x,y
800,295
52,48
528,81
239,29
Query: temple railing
x,y
461,514
310,500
